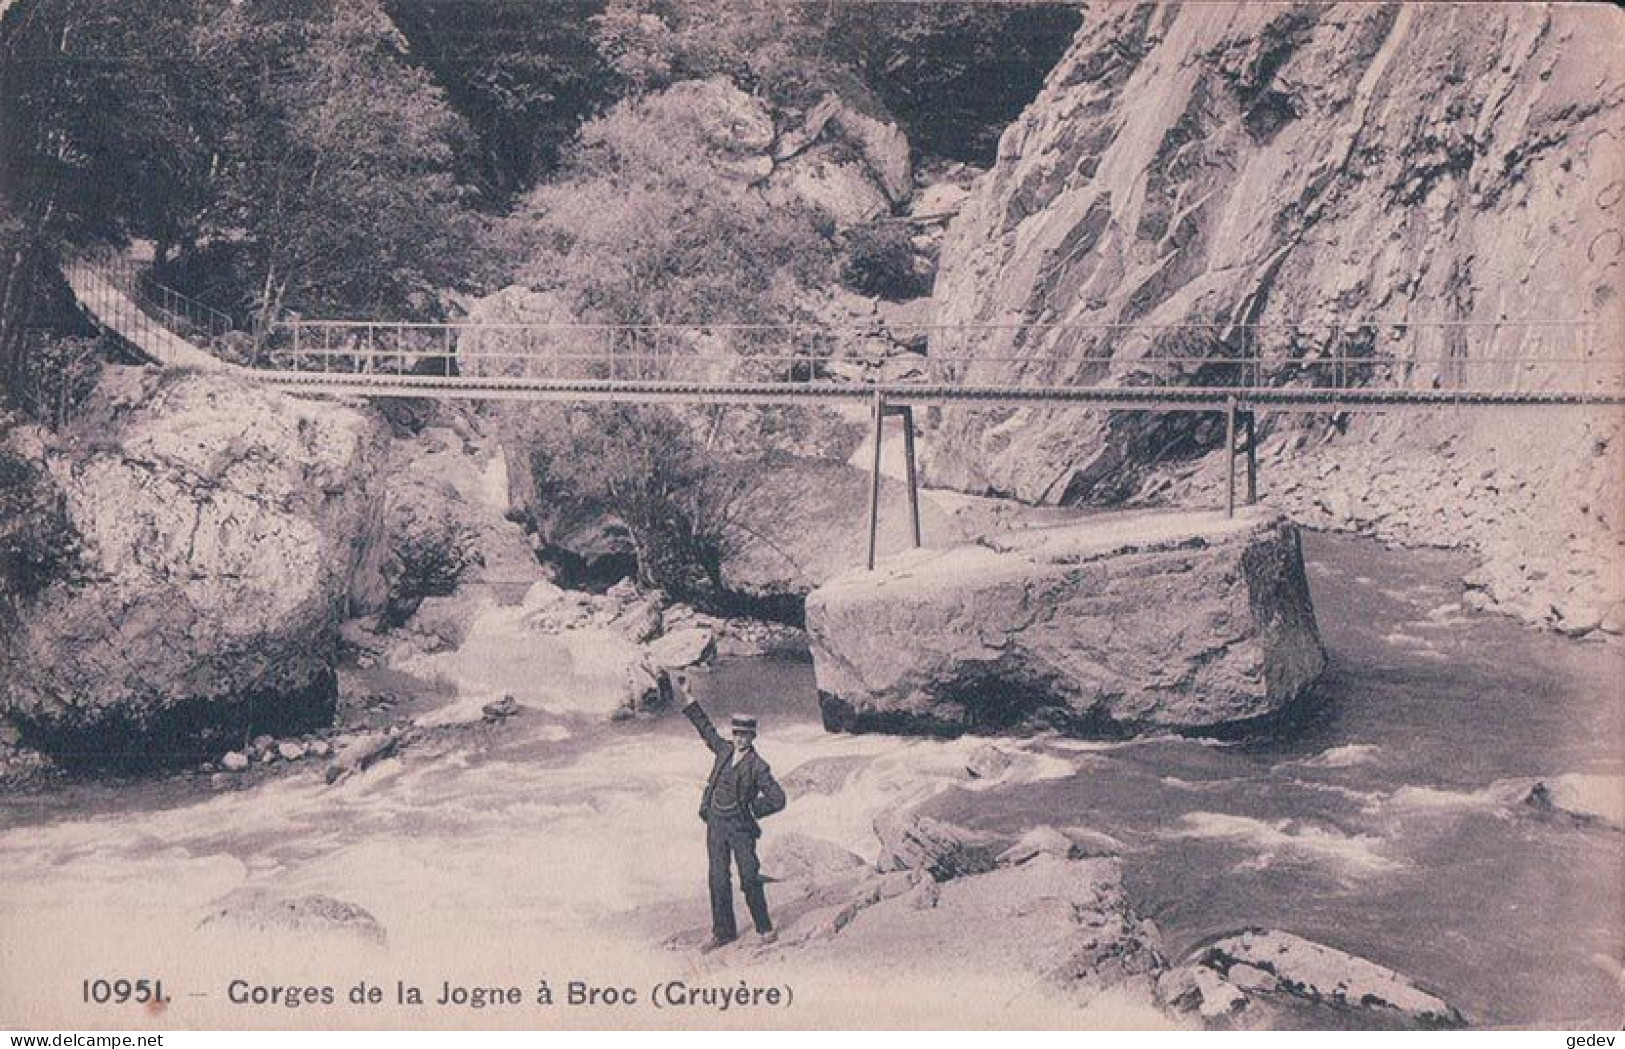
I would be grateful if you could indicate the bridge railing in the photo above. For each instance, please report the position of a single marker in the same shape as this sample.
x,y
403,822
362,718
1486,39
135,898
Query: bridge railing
x,y
1465,356
178,313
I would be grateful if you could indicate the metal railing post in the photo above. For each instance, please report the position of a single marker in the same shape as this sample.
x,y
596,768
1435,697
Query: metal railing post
x,y
1250,427
879,408
906,412
1229,456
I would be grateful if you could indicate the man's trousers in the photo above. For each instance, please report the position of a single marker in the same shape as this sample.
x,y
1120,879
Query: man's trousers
x,y
726,837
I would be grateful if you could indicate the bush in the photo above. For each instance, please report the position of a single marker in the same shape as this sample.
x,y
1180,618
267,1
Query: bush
x,y
678,501
38,544
430,561
878,259
56,374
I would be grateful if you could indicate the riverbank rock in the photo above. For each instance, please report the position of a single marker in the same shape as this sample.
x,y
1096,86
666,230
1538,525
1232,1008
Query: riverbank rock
x,y
1267,978
910,842
803,858
1122,621
1063,923
683,648
1040,841
222,526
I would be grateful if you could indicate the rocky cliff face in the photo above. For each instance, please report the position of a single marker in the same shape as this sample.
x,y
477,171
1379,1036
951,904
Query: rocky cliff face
x,y
1288,166
222,526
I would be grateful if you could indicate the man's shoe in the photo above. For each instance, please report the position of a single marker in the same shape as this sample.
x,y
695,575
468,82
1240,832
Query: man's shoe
x,y
715,942
770,936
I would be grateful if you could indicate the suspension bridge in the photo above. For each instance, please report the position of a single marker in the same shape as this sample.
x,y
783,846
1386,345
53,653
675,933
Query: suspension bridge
x,y
1235,369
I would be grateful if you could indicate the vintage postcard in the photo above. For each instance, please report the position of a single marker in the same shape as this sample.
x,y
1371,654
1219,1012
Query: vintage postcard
x,y
539,514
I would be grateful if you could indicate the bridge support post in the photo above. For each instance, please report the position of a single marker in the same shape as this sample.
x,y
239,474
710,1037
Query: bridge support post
x,y
1230,457
874,476
1251,426
906,413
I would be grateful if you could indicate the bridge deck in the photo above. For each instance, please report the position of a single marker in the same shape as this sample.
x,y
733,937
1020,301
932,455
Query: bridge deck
x,y
1144,398
1369,365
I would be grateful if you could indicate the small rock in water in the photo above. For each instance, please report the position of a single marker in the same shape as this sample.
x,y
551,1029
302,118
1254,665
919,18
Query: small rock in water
x,y
506,707
234,761
320,749
988,762
263,742
1040,841
290,751
268,756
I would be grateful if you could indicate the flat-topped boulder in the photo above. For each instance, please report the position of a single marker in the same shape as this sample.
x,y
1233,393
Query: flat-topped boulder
x,y
1114,623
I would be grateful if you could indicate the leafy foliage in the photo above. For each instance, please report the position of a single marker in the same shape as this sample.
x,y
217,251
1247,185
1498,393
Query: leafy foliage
x,y
770,49
679,502
38,544
55,376
524,83
644,225
878,259
338,170
955,73
431,560
98,141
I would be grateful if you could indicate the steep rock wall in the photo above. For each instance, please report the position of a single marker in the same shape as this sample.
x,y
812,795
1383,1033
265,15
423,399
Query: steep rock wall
x,y
1269,165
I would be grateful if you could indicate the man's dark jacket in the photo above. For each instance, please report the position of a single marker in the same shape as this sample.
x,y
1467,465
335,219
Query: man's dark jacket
x,y
759,793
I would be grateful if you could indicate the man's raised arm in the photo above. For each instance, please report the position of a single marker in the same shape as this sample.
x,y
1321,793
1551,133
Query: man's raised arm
x,y
702,724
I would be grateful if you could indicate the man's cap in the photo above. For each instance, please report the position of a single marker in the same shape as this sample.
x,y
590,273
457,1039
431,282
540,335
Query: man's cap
x,y
743,722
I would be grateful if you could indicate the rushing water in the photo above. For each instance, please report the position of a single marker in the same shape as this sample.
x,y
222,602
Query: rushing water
x,y
1388,821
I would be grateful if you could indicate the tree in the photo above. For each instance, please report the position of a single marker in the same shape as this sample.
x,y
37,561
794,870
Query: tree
x,y
523,82
679,502
955,74
339,193
772,49
102,138
647,224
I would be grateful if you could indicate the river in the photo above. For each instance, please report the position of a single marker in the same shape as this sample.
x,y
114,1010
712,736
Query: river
x,y
1386,821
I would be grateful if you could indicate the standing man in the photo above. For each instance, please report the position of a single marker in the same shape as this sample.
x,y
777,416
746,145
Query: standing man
x,y
740,790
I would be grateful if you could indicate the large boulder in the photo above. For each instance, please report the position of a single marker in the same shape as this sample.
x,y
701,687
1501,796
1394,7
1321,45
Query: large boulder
x,y
849,161
1190,620
222,525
